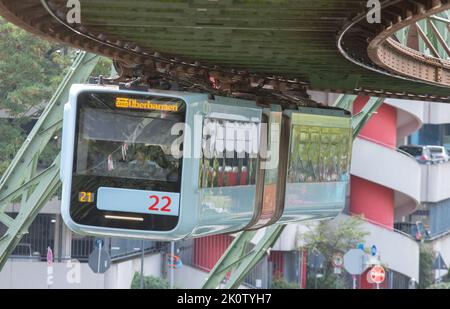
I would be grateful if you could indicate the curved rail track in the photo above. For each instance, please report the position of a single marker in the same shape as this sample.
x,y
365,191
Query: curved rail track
x,y
239,48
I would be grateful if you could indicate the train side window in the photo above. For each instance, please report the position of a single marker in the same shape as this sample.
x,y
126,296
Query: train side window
x,y
319,154
229,153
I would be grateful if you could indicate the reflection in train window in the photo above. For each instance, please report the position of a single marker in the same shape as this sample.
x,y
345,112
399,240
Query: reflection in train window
x,y
319,154
229,153
127,145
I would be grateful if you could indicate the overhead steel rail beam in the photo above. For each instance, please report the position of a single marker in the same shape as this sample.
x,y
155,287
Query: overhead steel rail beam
x,y
277,45
417,47
238,259
21,182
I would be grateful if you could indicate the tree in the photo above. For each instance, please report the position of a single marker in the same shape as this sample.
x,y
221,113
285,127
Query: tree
x,y
30,70
328,238
426,259
11,138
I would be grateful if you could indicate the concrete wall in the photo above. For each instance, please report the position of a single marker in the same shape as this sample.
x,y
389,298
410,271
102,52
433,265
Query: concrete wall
x,y
398,251
120,275
436,182
392,169
188,277
372,200
382,127
33,275
386,167
427,112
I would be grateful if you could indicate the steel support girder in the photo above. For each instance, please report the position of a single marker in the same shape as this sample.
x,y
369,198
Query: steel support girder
x,y
229,260
345,101
261,249
434,35
240,263
49,122
20,179
360,119
48,184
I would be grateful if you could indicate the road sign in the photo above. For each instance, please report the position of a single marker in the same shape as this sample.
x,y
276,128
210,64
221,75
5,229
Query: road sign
x,y
369,278
99,243
355,261
49,256
439,263
360,246
99,260
338,260
373,250
317,260
377,274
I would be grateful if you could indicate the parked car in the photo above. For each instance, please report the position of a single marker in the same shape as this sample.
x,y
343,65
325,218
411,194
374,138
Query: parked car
x,y
426,154
438,154
420,153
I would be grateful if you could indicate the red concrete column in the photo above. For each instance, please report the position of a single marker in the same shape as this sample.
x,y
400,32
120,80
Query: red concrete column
x,y
373,201
382,127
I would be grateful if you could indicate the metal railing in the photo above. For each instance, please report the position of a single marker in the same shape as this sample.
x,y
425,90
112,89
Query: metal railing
x,y
40,236
82,247
385,226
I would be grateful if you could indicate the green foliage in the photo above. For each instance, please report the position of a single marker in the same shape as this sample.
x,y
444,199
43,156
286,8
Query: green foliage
x,y
426,259
150,282
281,283
328,238
30,69
12,137
444,285
103,67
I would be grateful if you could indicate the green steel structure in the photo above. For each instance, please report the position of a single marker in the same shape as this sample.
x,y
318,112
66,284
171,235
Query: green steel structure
x,y
332,45
21,181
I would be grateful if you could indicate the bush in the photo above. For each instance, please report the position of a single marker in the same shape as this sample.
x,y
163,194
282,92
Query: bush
x,y
281,283
440,286
150,282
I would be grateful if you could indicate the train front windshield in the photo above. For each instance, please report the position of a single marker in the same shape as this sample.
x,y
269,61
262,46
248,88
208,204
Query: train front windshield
x,y
126,145
125,152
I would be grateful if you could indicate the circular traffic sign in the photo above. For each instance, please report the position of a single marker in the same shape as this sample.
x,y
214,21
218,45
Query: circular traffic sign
x,y
373,250
49,256
369,278
377,274
338,260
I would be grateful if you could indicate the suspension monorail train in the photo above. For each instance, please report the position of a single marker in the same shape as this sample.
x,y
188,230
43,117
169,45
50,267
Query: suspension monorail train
x,y
168,165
